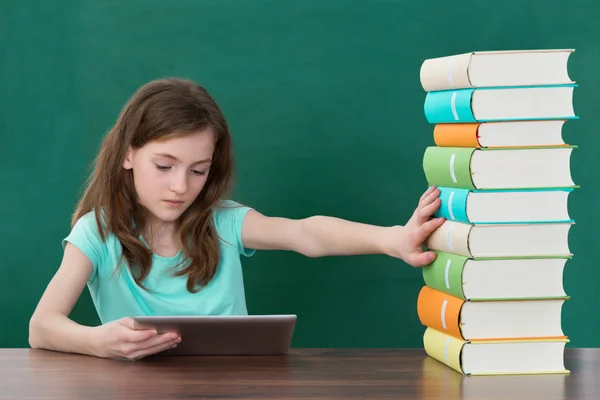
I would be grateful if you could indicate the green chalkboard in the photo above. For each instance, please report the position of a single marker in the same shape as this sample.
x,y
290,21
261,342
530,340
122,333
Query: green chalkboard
x,y
326,109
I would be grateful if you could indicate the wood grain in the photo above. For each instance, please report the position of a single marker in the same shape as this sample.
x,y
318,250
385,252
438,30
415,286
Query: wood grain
x,y
302,374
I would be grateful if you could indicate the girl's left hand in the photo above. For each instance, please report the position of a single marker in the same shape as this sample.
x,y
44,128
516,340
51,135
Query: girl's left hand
x,y
406,241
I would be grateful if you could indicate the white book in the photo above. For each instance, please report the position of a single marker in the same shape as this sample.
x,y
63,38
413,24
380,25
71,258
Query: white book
x,y
519,240
496,68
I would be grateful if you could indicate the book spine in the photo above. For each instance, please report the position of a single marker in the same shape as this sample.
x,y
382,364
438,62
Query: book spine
x,y
456,135
440,311
445,274
450,72
451,237
448,166
444,348
453,205
449,106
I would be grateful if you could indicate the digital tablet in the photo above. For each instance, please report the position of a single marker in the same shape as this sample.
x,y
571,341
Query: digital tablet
x,y
225,335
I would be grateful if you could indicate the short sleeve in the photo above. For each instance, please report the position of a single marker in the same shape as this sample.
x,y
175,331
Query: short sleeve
x,y
86,237
229,218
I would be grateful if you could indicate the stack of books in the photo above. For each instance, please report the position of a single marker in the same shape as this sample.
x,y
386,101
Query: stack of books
x,y
493,298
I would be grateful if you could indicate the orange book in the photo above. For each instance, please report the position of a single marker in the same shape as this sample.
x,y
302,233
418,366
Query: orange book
x,y
518,134
440,311
490,320
456,135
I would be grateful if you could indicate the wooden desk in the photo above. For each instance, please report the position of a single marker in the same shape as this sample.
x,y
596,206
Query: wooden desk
x,y
303,374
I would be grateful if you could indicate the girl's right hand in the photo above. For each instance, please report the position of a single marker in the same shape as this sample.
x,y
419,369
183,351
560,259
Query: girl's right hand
x,y
119,339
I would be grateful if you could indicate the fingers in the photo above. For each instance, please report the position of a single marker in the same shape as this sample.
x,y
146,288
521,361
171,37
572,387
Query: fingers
x,y
432,196
132,326
428,210
422,259
162,338
140,335
420,234
127,322
428,227
135,334
430,190
144,352
428,196
163,341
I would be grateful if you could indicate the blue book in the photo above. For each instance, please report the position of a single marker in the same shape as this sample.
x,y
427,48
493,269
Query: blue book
x,y
519,103
524,206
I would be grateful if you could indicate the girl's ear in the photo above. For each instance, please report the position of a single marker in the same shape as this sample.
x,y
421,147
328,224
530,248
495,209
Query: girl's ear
x,y
127,163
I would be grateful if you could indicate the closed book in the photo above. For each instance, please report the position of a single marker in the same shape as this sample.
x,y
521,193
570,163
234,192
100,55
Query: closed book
x,y
500,104
543,356
490,320
501,240
504,206
496,68
498,168
508,278
500,134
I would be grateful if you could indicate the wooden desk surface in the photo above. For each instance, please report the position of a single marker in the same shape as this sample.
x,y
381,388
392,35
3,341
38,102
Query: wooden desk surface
x,y
303,374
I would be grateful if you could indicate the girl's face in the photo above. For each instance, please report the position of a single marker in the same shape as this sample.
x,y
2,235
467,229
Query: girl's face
x,y
169,174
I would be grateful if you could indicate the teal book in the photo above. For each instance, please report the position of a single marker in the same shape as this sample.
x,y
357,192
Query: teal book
x,y
525,103
499,168
504,206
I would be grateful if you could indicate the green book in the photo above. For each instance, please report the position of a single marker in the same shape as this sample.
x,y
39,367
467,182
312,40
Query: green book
x,y
504,278
498,168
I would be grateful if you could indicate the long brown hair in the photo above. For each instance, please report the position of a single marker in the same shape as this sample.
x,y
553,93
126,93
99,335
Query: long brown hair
x,y
160,109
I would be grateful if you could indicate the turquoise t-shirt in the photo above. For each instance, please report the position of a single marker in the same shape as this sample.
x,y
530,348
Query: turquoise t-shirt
x,y
116,295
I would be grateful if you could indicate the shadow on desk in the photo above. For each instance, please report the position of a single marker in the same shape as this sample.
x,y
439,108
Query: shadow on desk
x,y
440,382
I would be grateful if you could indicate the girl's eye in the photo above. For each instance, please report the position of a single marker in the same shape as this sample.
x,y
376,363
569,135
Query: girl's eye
x,y
168,167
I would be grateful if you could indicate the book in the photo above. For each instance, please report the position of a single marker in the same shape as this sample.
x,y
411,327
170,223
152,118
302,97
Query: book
x,y
499,168
492,319
500,104
544,356
504,206
509,278
500,134
501,240
492,299
496,68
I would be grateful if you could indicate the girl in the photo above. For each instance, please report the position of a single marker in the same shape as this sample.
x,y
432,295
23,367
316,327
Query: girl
x,y
154,234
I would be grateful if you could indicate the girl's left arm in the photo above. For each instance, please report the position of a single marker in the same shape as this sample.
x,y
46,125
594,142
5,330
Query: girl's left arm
x,y
319,236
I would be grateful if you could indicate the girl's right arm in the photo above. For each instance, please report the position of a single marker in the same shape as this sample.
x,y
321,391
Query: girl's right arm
x,y
50,327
